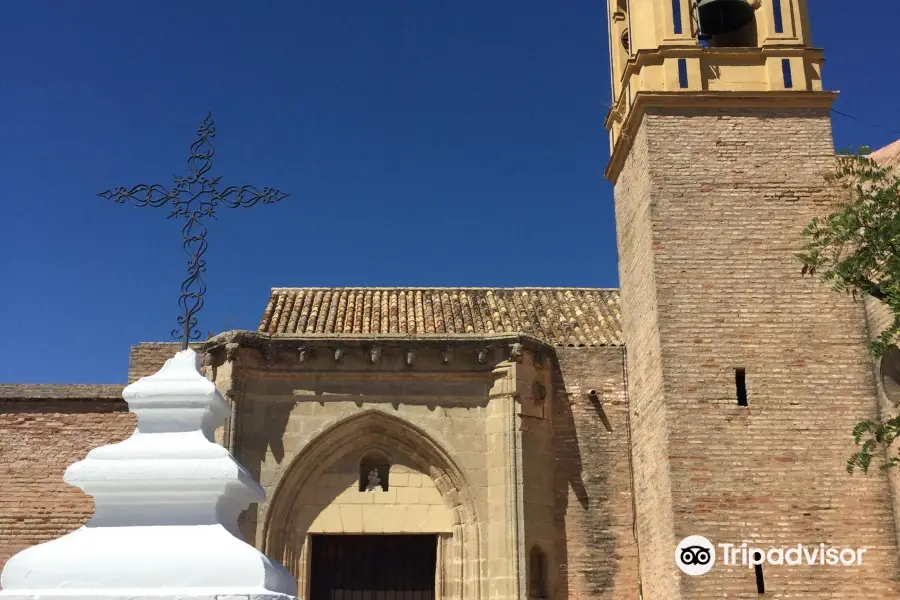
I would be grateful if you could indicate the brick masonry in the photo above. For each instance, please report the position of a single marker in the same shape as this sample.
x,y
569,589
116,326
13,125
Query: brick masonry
x,y
710,208
595,547
148,357
44,429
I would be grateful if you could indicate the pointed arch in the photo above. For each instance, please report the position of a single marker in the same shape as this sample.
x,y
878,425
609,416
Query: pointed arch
x,y
377,429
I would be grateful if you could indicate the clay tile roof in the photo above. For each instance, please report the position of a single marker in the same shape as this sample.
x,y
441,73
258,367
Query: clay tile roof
x,y
888,156
558,316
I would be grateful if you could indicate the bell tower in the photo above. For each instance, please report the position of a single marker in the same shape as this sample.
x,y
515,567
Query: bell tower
x,y
684,46
744,379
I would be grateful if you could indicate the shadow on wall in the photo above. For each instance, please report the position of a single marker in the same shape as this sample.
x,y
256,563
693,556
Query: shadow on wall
x,y
278,413
586,552
251,447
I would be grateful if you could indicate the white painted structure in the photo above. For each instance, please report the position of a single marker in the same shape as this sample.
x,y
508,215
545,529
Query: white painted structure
x,y
167,501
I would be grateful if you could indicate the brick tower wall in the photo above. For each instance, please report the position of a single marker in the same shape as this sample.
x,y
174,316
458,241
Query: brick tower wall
x,y
652,481
710,207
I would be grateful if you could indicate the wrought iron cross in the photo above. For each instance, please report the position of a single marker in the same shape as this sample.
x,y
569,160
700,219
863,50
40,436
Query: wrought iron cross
x,y
194,197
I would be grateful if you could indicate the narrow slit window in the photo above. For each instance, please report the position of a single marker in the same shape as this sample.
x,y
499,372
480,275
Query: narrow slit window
x,y
676,16
760,580
740,384
776,10
786,72
682,73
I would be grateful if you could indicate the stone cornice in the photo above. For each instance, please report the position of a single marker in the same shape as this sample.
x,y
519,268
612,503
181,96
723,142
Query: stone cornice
x,y
646,57
481,351
773,100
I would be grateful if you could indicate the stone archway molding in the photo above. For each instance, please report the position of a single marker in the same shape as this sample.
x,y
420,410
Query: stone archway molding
x,y
376,428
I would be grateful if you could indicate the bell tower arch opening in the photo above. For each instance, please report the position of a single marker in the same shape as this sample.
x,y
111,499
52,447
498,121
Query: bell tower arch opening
x,y
726,23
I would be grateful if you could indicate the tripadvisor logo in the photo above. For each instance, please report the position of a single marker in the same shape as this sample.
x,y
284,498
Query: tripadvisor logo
x,y
696,555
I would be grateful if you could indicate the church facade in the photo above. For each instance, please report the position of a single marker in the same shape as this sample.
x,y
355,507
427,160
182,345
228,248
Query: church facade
x,y
492,444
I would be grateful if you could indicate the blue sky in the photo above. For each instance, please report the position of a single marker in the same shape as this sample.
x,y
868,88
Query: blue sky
x,y
423,143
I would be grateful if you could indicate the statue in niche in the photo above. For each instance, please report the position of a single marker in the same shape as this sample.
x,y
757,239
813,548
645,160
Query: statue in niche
x,y
373,473
374,481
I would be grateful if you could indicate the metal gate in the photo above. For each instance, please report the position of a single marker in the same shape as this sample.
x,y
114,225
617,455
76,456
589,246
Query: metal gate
x,y
373,567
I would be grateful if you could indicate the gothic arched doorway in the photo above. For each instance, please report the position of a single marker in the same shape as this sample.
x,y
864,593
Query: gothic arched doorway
x,y
375,474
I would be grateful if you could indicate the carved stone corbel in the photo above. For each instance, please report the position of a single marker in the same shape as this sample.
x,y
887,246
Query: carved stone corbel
x,y
446,355
516,352
338,354
375,354
269,354
617,112
231,350
302,354
483,355
410,357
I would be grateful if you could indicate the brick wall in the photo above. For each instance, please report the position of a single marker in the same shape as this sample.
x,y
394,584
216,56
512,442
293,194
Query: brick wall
x,y
44,429
652,481
710,210
148,357
596,547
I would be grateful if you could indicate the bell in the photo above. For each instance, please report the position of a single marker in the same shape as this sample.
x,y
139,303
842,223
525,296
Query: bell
x,y
717,17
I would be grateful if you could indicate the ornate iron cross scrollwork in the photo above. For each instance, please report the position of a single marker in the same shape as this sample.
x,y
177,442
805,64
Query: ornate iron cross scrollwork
x,y
193,198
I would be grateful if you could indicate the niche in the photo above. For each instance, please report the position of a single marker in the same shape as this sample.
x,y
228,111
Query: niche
x,y
374,469
537,573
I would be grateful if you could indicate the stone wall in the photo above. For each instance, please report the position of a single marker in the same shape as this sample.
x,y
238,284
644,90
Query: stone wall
x,y
335,504
710,209
44,429
298,425
539,556
513,450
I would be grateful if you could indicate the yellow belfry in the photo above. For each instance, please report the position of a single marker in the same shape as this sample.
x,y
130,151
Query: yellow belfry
x,y
680,52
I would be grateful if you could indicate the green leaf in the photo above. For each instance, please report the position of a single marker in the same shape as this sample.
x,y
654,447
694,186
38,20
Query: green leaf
x,y
856,250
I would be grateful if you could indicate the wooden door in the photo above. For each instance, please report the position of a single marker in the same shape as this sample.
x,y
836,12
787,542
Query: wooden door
x,y
373,567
